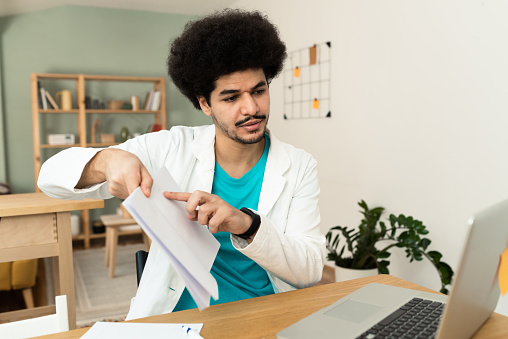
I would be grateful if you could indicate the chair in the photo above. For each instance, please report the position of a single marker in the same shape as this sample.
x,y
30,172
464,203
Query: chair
x,y
141,257
48,324
117,225
19,275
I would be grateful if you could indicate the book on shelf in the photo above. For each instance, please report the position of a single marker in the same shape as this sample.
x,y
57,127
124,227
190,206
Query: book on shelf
x,y
147,100
43,98
39,98
51,100
156,101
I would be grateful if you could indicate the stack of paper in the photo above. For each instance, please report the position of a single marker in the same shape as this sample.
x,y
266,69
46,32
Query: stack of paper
x,y
190,246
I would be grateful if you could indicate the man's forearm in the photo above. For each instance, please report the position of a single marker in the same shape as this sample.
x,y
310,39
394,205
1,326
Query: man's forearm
x,y
94,171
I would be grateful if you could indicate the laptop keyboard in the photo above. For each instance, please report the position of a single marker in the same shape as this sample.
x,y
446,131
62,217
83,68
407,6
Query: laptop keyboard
x,y
418,318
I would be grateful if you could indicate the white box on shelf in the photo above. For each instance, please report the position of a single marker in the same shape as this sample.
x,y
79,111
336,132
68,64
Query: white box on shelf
x,y
61,139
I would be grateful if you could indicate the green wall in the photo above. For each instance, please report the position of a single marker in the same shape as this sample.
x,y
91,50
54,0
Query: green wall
x,y
77,39
3,174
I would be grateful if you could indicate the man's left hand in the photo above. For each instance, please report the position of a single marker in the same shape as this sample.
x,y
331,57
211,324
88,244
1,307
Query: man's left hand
x,y
210,210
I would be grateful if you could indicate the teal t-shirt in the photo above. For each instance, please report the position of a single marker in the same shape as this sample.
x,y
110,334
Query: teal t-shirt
x,y
238,276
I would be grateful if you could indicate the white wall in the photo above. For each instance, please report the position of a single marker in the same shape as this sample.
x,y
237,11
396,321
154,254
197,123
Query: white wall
x,y
419,111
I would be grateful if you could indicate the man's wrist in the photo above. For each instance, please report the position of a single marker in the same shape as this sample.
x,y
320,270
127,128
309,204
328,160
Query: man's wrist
x,y
256,222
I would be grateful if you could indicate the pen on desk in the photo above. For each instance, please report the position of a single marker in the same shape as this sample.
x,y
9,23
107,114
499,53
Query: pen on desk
x,y
191,333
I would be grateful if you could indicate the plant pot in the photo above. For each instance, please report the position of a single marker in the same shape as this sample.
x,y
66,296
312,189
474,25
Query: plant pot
x,y
343,274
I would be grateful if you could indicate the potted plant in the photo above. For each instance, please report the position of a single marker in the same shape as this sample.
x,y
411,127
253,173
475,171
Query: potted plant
x,y
369,245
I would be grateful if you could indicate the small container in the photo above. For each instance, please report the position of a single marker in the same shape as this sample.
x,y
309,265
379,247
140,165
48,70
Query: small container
x,y
115,104
75,226
134,103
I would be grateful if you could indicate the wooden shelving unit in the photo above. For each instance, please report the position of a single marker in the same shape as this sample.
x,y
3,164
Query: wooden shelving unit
x,y
81,112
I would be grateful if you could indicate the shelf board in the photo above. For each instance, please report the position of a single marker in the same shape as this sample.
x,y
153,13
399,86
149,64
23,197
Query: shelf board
x,y
103,235
99,111
60,111
92,236
96,144
127,111
59,146
57,76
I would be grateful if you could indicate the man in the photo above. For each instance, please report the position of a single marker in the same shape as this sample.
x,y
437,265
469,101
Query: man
x,y
257,195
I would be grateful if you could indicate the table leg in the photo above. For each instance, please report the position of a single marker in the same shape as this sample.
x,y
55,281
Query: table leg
x,y
108,246
64,270
112,251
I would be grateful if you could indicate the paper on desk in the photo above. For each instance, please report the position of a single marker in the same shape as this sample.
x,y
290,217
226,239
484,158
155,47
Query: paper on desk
x,y
110,330
190,246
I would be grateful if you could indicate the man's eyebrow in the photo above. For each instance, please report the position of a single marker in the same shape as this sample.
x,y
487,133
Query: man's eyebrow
x,y
262,83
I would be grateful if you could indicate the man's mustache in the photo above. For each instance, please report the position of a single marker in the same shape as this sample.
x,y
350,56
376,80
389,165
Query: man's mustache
x,y
257,117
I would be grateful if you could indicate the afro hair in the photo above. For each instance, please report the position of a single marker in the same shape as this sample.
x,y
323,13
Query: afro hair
x,y
223,43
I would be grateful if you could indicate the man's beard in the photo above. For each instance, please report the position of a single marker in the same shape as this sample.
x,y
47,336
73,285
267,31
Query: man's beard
x,y
233,136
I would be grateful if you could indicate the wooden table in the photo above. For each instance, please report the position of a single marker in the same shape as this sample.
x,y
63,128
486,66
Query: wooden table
x,y
33,225
263,317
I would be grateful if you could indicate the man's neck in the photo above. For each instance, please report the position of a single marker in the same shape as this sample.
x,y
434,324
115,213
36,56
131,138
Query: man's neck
x,y
236,158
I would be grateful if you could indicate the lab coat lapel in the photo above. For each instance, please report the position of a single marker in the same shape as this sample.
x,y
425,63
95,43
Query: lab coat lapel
x,y
204,151
273,182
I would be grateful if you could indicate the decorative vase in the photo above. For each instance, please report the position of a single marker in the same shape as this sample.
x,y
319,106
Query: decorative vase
x,y
343,274
124,134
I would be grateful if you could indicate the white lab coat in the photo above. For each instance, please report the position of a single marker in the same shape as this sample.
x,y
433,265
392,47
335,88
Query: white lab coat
x,y
288,244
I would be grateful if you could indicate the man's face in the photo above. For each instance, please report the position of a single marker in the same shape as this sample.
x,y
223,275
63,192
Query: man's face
x,y
240,106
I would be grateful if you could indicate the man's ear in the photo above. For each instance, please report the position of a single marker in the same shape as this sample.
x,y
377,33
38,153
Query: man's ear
x,y
205,107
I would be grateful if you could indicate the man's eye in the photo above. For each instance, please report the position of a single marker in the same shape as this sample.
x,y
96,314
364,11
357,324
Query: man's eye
x,y
230,99
261,91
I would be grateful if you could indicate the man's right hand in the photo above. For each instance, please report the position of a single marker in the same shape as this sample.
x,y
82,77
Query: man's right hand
x,y
123,171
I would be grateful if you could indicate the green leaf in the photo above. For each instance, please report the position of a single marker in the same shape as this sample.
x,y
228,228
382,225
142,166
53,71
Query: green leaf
x,y
435,256
424,243
383,255
446,273
383,267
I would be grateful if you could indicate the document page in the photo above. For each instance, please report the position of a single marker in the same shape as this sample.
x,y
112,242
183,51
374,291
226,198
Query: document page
x,y
112,330
190,247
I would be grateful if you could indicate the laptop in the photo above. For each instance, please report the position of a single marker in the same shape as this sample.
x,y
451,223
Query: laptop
x,y
473,297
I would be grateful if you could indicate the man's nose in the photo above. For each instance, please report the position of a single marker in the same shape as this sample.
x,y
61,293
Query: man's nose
x,y
248,105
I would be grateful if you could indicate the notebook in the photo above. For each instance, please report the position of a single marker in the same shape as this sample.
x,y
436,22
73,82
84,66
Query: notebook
x,y
473,297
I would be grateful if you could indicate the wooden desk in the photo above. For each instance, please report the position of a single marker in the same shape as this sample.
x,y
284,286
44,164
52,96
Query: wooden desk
x,y
33,225
263,317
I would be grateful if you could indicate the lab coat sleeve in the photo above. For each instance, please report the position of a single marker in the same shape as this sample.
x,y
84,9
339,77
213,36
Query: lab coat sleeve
x,y
60,173
296,255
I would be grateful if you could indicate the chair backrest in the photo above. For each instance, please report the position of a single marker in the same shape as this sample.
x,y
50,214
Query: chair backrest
x,y
140,263
48,324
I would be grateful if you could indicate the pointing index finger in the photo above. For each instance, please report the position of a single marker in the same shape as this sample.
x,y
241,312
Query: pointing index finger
x,y
178,196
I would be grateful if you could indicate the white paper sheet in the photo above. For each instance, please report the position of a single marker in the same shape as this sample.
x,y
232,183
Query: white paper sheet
x,y
110,330
190,246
